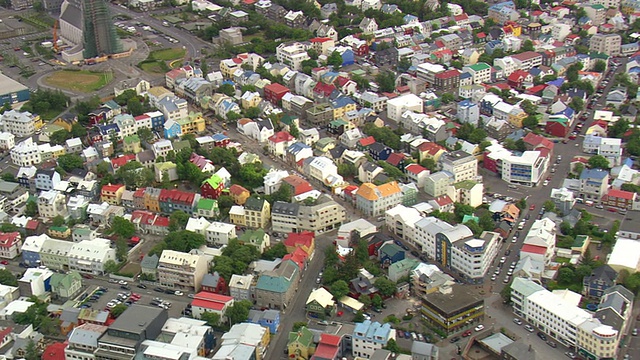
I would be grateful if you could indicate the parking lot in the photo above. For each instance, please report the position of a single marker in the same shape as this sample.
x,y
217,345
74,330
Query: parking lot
x,y
111,293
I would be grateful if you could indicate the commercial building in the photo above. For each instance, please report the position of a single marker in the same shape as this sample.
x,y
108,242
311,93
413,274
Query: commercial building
x,y
125,335
462,165
526,169
292,55
181,270
323,215
397,106
12,91
453,308
89,256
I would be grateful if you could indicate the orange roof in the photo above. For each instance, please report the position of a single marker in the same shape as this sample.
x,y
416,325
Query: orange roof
x,y
244,121
371,192
110,187
236,189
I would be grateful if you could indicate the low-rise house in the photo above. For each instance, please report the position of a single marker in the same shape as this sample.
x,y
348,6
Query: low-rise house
x,y
320,304
66,285
10,245
600,279
210,302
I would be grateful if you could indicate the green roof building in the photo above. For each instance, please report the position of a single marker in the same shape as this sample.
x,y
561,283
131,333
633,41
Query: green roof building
x,y
66,285
300,345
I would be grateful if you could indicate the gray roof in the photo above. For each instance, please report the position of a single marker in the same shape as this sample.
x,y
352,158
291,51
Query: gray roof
x,y
423,349
150,262
519,350
73,15
8,187
70,315
211,279
284,208
87,335
136,318
145,156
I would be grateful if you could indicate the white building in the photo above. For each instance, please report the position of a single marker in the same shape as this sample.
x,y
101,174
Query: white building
x,y
51,204
368,337
555,313
20,124
480,72
273,179
322,168
26,153
397,106
473,257
462,165
180,270
374,200
241,287
220,233
540,242
7,140
526,169
292,54
162,148
89,256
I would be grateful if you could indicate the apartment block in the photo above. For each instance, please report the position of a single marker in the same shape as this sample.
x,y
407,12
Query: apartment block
x,y
180,270
608,44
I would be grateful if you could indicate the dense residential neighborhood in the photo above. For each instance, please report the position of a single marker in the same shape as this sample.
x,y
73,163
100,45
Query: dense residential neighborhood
x,y
320,180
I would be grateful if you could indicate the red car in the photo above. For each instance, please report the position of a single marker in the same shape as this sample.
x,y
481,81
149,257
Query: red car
x,y
532,207
4,262
572,137
466,333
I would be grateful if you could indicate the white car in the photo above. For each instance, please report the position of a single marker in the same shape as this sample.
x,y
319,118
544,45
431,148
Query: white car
x,y
122,282
502,260
493,277
514,240
179,293
479,328
545,183
517,321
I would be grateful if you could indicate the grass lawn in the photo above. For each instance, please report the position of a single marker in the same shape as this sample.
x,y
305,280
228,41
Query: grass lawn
x,y
167,54
152,67
82,81
130,268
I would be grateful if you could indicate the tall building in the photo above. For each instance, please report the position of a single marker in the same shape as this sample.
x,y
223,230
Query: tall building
x,y
87,24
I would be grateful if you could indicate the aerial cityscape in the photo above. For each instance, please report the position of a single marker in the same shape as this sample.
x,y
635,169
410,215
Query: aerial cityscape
x,y
319,180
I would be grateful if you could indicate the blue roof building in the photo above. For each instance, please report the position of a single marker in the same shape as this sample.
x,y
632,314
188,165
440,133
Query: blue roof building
x,y
368,337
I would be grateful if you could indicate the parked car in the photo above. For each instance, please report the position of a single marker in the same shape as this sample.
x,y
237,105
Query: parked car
x,y
466,333
542,336
479,327
532,207
528,327
454,339
517,321
142,286
634,332
570,355
159,289
178,293
169,291
552,344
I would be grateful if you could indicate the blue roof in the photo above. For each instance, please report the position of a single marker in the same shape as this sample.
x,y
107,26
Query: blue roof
x,y
593,174
628,162
557,82
105,129
568,112
466,103
465,75
342,101
374,332
219,137
297,147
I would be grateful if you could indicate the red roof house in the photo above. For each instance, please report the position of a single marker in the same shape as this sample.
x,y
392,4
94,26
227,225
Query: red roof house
x,y
298,184
304,240
10,244
207,301
328,347
116,163
54,351
299,257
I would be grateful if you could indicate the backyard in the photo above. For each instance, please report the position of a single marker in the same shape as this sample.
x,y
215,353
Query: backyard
x,y
79,80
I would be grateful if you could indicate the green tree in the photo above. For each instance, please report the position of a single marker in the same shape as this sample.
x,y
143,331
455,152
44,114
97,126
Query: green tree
x,y
386,81
277,251
530,122
111,267
600,66
619,128
527,45
577,104
578,168
506,293
339,289
284,194
528,107
632,282
347,170
298,325
134,107
294,131
565,275
549,206
227,89
429,164
30,351
335,60
358,317
59,137
122,249
486,222
365,300
522,204
135,175
57,221
387,287
31,208
70,162
392,346
460,210
377,301
598,162
178,220
7,176
7,278
184,241
212,319
252,112
122,227
145,134
447,98
239,312
118,310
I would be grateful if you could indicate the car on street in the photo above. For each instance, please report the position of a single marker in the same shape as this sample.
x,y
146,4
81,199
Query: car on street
x,y
4,262
159,289
528,327
546,182
515,239
454,339
479,328
502,260
493,277
122,282
552,344
599,206
570,355
532,207
178,293
466,333
169,291
142,286
506,253
634,332
506,280
517,321
542,336
125,287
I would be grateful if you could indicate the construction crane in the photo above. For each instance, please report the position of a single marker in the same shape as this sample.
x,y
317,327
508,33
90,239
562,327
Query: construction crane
x,y
55,37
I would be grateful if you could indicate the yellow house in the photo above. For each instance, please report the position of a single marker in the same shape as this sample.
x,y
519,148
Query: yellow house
x,y
229,66
250,99
515,29
194,123
516,117
112,194
342,106
66,121
301,346
38,123
58,151
151,199
431,150
131,144
257,212
237,215
60,232
239,194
